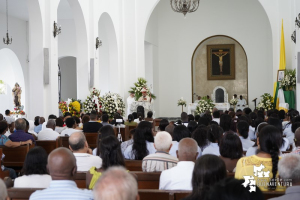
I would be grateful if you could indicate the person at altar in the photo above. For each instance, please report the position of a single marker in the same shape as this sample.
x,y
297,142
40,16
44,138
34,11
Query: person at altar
x,y
130,100
241,103
145,96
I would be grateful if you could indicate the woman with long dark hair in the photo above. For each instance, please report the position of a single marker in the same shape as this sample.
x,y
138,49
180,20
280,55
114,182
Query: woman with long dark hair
x,y
269,141
130,121
214,135
111,155
34,170
231,150
208,170
142,142
200,135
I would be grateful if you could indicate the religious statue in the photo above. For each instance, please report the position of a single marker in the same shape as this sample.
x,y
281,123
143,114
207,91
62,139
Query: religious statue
x,y
16,92
220,54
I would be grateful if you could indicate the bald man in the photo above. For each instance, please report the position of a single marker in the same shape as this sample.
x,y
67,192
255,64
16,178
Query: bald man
x,y
83,154
49,132
180,177
297,142
62,168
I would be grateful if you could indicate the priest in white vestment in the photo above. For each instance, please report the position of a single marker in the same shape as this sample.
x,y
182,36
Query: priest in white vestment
x,y
145,96
241,104
130,100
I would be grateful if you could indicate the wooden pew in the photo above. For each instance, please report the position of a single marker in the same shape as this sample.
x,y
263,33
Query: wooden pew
x,y
21,193
80,180
146,194
64,141
92,139
147,180
133,165
15,157
3,174
48,145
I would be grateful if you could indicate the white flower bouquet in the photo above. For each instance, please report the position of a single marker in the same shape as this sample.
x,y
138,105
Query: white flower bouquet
x,y
289,80
111,103
267,102
181,102
137,89
89,104
204,105
233,102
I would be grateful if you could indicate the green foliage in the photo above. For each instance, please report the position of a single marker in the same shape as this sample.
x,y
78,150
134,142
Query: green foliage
x,y
137,89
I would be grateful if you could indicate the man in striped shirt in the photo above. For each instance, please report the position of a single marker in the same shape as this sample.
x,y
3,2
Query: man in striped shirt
x,y
62,168
297,142
161,160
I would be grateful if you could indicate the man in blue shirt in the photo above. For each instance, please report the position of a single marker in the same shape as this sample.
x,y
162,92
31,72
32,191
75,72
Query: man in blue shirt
x,y
62,168
19,135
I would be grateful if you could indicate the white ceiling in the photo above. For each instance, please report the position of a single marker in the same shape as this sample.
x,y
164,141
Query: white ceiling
x,y
18,9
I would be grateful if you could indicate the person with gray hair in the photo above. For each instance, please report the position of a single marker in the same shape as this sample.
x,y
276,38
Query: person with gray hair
x,y
161,160
289,172
3,191
83,154
49,132
180,177
19,135
116,183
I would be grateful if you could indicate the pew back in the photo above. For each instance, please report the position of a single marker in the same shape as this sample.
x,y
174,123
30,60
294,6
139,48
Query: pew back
x,y
92,139
147,180
64,141
48,145
3,174
80,180
133,165
15,157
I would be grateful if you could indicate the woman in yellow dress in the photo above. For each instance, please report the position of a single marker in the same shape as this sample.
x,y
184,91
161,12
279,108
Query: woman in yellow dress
x,y
261,169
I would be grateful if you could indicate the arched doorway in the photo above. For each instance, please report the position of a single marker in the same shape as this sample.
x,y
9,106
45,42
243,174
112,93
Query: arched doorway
x,y
11,72
108,56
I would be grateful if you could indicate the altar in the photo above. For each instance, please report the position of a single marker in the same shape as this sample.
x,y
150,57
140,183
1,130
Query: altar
x,y
220,98
146,104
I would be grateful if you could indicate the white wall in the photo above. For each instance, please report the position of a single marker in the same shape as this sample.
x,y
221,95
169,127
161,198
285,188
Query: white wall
x,y
67,39
178,38
19,47
68,78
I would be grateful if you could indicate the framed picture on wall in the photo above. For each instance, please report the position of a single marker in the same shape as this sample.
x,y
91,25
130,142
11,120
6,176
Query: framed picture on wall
x,y
221,62
280,75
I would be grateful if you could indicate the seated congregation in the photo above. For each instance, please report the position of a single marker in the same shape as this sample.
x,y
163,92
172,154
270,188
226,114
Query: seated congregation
x,y
230,155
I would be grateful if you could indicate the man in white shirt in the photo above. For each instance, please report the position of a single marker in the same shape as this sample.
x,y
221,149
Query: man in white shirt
x,y
48,133
161,160
83,154
70,122
180,177
216,116
130,100
241,104
243,132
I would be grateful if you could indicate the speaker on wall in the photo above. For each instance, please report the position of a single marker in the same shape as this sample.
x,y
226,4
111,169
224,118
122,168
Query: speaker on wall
x,y
46,66
298,68
92,72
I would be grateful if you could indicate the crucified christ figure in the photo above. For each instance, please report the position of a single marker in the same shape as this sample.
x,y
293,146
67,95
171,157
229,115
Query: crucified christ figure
x,y
220,54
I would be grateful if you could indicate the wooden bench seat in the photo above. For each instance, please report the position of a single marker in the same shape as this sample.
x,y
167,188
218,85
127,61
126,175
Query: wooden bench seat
x,y
64,141
147,180
133,165
48,145
92,139
15,157
145,194
80,179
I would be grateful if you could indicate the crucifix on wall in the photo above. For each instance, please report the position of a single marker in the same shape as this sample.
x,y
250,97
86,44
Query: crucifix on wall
x,y
220,54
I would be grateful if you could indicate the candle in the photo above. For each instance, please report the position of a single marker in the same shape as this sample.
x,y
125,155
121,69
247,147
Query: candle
x,y
68,103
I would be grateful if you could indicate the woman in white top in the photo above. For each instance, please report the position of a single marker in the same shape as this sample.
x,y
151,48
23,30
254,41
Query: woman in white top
x,y
292,116
59,125
142,142
278,124
214,135
243,130
34,170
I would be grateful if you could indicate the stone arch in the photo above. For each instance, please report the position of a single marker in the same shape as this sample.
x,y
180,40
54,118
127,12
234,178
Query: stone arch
x,y
11,72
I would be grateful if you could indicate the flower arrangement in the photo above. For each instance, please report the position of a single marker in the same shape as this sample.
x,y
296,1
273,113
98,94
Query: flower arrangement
x,y
233,101
181,102
89,105
266,102
289,81
111,103
74,108
137,89
204,105
17,112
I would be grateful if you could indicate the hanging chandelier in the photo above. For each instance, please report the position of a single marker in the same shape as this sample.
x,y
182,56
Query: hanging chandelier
x,y
7,40
184,6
